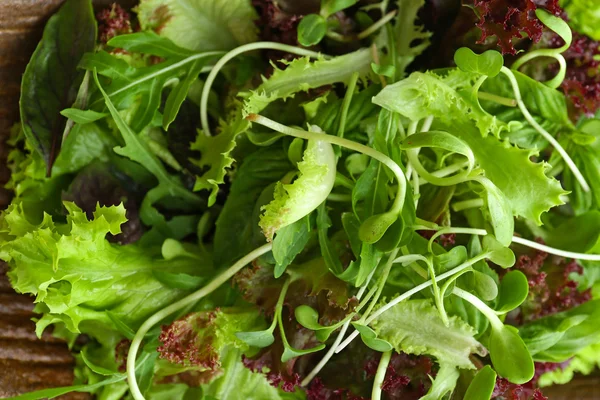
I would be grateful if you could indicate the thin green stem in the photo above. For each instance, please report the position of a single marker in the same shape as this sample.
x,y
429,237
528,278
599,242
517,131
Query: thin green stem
x,y
552,53
384,361
343,181
505,101
342,333
516,239
279,309
349,144
364,34
346,103
339,197
543,132
443,231
381,283
467,204
377,25
165,312
481,306
232,54
450,169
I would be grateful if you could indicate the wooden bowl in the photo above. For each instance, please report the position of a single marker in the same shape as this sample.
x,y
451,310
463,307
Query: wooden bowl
x,y
28,363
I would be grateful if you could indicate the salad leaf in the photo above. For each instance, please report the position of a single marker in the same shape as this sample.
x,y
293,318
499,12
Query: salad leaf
x,y
410,38
52,78
584,16
200,25
415,327
303,74
77,275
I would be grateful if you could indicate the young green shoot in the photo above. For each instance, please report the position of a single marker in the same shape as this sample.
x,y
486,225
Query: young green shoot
x,y
232,54
384,361
565,156
177,306
411,292
373,228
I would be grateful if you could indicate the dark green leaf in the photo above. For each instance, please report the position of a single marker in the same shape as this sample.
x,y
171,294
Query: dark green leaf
x,y
311,29
82,116
514,289
178,281
510,356
290,352
351,225
289,242
179,93
369,338
148,42
482,385
259,339
329,7
120,325
327,250
51,79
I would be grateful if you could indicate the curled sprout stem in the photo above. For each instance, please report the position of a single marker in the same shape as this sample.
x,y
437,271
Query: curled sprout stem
x,y
234,53
552,53
192,298
409,293
384,361
565,156
349,144
481,306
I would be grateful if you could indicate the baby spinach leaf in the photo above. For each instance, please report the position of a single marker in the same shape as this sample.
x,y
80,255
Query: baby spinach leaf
x,y
311,30
51,79
510,356
482,385
514,289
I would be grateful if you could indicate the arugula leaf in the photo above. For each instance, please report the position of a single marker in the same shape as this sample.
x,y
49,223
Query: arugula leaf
x,y
51,78
200,25
135,150
415,327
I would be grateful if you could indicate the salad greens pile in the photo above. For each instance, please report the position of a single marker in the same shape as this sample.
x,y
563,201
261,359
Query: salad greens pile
x,y
305,200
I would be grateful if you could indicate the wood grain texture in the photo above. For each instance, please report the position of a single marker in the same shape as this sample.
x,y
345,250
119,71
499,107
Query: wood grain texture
x,y
28,363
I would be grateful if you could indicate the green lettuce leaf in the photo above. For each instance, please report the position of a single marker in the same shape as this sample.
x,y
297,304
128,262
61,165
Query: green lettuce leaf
x,y
200,24
215,155
584,16
415,327
303,74
77,276
584,362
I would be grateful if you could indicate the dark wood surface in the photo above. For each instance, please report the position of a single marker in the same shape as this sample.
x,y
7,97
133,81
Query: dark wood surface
x,y
28,363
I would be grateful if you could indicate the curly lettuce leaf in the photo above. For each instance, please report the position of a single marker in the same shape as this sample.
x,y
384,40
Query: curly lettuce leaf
x,y
303,74
200,25
415,327
447,98
584,16
411,39
215,155
584,362
77,275
295,200
194,343
529,191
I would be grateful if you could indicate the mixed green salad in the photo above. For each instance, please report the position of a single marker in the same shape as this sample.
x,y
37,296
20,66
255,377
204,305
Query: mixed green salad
x,y
336,199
